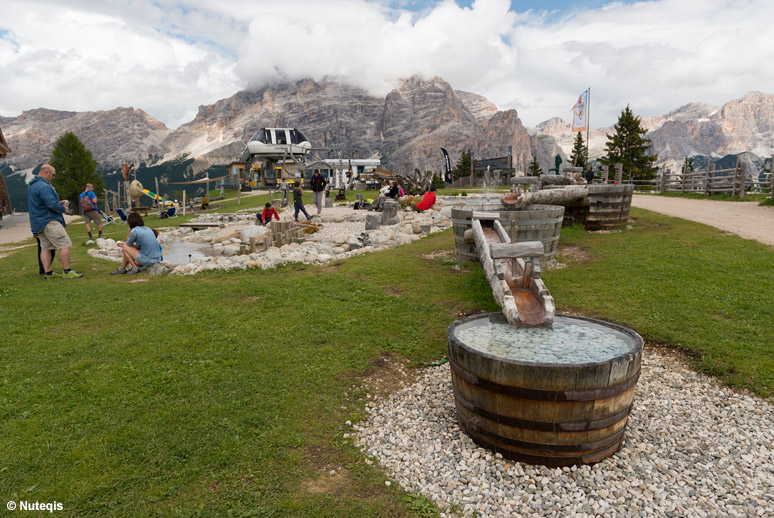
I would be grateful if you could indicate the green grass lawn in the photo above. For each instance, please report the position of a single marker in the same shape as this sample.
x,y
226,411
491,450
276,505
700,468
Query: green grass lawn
x,y
226,393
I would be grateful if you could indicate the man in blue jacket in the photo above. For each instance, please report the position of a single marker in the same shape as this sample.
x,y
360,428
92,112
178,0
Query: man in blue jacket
x,y
47,223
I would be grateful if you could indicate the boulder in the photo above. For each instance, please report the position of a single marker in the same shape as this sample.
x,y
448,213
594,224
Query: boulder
x,y
372,221
390,213
256,231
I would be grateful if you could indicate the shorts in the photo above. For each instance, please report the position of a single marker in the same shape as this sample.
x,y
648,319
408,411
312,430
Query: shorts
x,y
92,216
144,261
54,237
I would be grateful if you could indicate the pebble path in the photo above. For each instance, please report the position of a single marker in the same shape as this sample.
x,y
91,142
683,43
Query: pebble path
x,y
692,448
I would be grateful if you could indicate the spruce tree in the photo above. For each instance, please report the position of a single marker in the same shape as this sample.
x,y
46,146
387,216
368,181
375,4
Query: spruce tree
x,y
462,167
578,156
688,165
629,147
534,168
75,167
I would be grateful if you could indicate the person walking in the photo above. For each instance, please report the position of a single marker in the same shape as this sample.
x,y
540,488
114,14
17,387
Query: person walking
x,y
589,174
298,201
318,188
47,222
88,201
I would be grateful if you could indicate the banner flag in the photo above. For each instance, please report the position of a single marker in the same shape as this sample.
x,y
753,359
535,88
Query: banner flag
x,y
580,113
448,176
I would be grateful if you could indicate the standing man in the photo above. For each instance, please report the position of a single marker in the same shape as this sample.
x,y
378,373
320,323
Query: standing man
x,y
47,223
91,214
318,186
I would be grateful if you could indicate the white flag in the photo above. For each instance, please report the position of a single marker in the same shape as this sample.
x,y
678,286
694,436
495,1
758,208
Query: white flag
x,y
580,112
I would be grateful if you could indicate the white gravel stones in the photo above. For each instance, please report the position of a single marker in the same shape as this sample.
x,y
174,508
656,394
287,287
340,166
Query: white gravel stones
x,y
342,235
692,448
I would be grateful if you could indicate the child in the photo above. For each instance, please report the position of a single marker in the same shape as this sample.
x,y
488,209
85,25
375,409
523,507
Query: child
x,y
265,216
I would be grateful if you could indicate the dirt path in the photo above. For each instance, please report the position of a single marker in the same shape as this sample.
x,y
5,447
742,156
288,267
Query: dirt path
x,y
745,219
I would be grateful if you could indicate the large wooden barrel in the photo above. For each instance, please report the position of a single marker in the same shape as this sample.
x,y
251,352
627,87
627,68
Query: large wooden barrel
x,y
554,414
534,223
608,206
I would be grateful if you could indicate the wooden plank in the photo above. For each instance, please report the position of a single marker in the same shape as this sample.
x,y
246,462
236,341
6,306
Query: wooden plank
x,y
514,250
486,215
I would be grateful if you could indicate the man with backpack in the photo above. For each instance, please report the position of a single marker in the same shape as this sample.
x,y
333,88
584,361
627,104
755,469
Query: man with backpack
x,y
89,209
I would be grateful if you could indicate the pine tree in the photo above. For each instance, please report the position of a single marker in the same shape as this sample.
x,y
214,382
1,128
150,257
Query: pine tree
x,y
629,147
578,156
688,165
534,168
462,167
75,167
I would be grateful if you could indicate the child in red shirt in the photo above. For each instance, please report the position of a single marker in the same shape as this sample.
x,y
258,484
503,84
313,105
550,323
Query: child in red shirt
x,y
265,216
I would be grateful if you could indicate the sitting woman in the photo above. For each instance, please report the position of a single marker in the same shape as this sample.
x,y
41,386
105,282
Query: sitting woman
x,y
141,249
265,216
428,200
394,191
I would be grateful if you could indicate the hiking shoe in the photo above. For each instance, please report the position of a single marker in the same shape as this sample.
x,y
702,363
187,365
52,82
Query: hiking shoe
x,y
132,271
72,274
120,271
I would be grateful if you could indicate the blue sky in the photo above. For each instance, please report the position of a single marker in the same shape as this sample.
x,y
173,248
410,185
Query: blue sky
x,y
168,57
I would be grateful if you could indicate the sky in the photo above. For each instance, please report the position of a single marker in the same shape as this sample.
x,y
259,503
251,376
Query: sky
x,y
168,57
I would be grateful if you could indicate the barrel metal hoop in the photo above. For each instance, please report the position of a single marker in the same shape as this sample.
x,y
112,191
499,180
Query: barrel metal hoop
x,y
480,431
542,426
546,460
544,395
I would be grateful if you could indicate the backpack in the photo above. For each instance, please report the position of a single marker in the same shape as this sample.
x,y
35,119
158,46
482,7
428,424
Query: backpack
x,y
86,204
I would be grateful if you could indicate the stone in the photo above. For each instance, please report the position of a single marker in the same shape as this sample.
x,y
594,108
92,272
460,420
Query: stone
x,y
256,231
373,221
390,213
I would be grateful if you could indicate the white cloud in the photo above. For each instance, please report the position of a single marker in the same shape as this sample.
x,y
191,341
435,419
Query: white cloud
x,y
168,57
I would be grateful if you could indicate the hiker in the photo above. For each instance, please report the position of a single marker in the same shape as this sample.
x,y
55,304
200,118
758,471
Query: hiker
x,y
318,186
428,200
298,201
91,214
47,223
265,215
589,175
141,249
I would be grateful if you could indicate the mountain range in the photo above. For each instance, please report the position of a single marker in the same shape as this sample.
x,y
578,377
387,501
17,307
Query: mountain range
x,y
406,128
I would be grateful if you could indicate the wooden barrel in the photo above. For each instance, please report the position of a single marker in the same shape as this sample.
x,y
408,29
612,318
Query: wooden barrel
x,y
554,414
608,206
534,223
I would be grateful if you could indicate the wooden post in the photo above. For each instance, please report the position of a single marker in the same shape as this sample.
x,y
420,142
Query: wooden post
x,y
742,179
604,174
619,173
252,245
771,178
664,174
710,176
183,201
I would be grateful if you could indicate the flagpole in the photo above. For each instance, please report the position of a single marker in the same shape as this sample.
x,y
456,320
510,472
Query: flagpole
x,y
588,124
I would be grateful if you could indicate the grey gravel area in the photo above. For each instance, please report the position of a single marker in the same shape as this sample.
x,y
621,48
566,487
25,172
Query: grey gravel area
x,y
692,448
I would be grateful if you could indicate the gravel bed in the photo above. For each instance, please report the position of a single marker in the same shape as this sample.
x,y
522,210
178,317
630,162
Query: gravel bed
x,y
692,448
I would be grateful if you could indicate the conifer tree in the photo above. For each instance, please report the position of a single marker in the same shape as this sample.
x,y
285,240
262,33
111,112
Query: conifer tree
x,y
629,147
75,167
534,168
578,156
462,167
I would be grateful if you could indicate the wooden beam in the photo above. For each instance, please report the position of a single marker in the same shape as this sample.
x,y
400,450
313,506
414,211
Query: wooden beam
x,y
515,250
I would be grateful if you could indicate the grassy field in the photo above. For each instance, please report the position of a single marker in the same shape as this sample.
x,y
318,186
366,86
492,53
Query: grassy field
x,y
226,393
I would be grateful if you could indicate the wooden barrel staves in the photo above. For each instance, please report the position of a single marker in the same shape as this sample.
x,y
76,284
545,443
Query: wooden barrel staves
x,y
608,206
554,414
533,223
